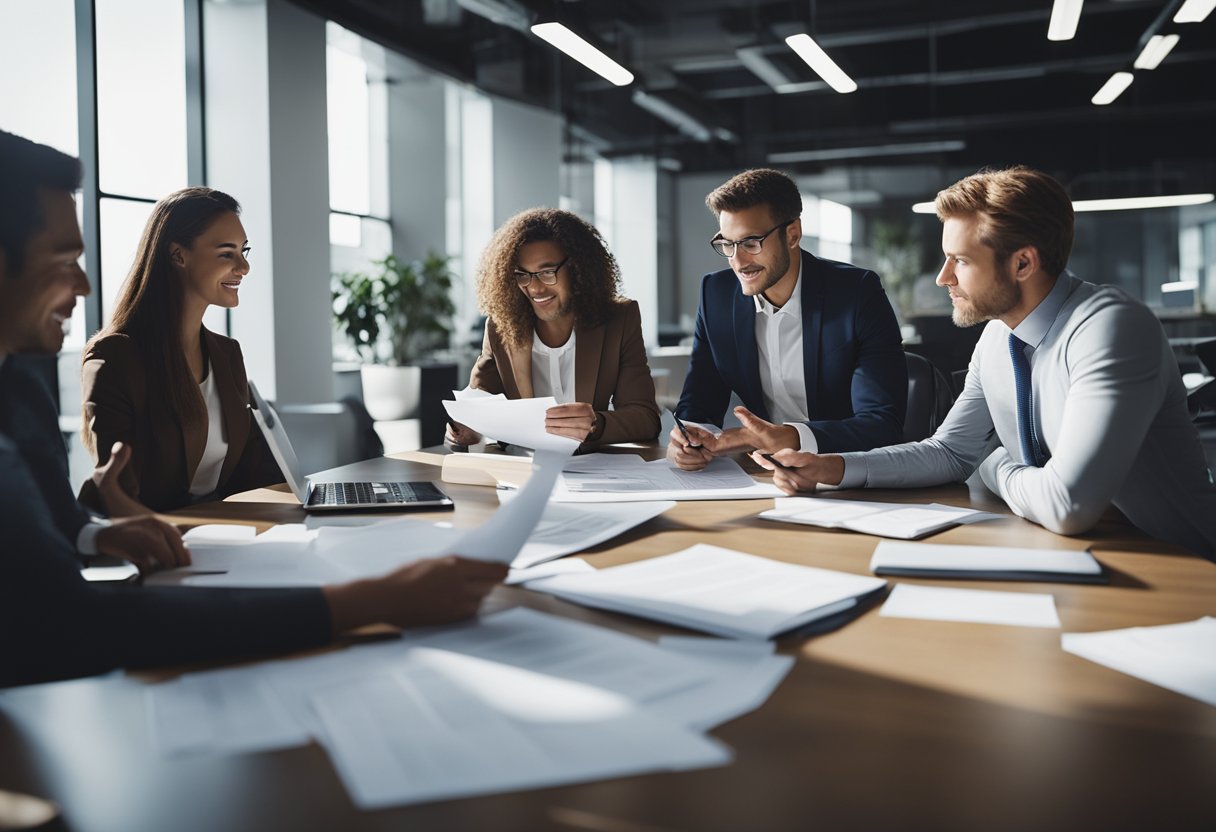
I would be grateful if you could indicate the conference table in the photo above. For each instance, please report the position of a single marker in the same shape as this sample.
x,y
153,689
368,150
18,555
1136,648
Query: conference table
x,y
885,723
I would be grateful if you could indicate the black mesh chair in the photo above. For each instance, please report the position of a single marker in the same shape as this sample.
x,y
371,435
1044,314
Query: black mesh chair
x,y
929,398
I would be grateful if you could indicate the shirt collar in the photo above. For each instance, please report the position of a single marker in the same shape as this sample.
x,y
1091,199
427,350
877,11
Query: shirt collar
x,y
1034,327
792,307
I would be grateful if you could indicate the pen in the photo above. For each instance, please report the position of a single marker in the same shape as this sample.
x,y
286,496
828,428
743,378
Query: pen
x,y
684,430
779,464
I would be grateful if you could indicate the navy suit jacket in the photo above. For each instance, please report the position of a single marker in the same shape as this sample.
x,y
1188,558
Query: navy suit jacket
x,y
852,353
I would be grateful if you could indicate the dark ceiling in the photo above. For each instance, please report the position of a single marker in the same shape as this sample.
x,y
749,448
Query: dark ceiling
x,y
982,77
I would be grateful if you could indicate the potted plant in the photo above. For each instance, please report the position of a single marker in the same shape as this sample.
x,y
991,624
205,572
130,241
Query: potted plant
x,y
395,313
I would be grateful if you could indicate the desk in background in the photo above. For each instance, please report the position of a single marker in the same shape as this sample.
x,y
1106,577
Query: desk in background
x,y
887,723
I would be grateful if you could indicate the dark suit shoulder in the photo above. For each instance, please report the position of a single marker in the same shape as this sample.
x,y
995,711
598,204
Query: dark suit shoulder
x,y
118,347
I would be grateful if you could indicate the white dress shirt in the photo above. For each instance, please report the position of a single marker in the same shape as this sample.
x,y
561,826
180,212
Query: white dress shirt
x,y
207,475
1109,408
553,369
782,382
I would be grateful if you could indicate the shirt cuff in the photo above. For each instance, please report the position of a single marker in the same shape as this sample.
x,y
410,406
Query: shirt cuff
x,y
807,443
86,539
856,471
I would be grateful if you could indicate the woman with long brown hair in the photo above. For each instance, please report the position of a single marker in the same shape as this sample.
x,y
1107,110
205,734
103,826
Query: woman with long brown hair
x,y
559,327
168,397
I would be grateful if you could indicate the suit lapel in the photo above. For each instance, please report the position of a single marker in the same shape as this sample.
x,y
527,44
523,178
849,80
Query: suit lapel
x,y
746,353
520,356
588,349
812,329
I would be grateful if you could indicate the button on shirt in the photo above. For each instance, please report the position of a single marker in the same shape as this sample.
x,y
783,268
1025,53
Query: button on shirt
x,y
553,369
782,383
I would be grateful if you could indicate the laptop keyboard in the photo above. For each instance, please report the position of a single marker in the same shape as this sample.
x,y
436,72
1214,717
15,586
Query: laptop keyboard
x,y
371,493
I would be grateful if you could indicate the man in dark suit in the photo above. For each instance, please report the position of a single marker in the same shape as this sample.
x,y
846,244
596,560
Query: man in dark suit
x,y
55,624
811,347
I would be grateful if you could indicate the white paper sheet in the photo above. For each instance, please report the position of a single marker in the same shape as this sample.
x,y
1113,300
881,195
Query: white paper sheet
x,y
1178,657
602,478
716,590
564,529
515,421
745,674
930,556
903,521
418,737
1018,609
564,566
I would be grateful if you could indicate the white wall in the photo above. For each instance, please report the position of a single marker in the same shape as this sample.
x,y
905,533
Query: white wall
x,y
417,176
626,213
694,226
267,146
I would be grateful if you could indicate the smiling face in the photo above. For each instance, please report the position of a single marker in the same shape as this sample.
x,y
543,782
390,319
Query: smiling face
x,y
759,272
36,305
549,303
213,267
981,289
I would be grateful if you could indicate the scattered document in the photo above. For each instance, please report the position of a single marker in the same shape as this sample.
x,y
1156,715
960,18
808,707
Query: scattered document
x,y
718,591
563,530
515,421
564,566
1018,609
600,478
1178,657
117,573
745,674
899,520
417,737
929,560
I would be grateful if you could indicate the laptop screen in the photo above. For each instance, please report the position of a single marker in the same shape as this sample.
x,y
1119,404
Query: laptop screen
x,y
272,428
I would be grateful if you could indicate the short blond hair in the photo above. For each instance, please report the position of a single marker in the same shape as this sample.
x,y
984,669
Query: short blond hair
x,y
1016,207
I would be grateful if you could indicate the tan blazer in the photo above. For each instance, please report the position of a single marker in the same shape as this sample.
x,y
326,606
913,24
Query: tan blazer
x,y
165,451
609,365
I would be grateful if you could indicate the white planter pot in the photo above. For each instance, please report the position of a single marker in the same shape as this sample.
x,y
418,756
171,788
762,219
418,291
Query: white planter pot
x,y
391,392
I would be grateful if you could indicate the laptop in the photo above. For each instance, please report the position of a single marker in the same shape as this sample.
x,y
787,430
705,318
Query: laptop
x,y
337,496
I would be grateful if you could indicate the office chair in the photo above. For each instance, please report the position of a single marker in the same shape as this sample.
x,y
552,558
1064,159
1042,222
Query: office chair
x,y
929,398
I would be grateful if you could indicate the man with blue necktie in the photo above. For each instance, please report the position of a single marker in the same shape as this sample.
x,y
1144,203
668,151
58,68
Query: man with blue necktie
x,y
1073,383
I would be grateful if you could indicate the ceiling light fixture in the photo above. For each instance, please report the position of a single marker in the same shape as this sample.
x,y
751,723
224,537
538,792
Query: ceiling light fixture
x,y
1131,203
583,52
833,153
1180,286
819,61
1065,15
1113,88
1194,11
1155,50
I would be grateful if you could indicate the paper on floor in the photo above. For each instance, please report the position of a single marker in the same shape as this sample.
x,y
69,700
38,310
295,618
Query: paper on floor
x,y
1018,609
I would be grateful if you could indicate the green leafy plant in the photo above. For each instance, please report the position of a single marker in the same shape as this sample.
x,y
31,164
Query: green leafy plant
x,y
897,255
410,302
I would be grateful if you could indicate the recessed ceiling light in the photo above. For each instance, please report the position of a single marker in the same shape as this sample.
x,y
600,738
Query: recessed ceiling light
x,y
1155,50
819,61
1065,15
1113,88
583,52
1194,11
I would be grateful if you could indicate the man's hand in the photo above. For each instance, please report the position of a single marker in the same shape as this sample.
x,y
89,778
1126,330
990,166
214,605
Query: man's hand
x,y
458,434
148,542
798,472
691,455
758,434
434,591
576,420
116,501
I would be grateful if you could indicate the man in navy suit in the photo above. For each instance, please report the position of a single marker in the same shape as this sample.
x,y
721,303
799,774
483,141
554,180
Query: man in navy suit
x,y
810,346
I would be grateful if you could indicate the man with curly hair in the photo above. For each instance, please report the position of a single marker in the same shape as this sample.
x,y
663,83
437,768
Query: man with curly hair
x,y
811,347
559,327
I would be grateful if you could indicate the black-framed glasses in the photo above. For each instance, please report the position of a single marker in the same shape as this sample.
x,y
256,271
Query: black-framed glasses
x,y
751,245
545,276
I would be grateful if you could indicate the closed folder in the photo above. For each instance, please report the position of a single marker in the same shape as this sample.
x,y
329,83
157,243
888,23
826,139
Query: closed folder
x,y
993,563
486,469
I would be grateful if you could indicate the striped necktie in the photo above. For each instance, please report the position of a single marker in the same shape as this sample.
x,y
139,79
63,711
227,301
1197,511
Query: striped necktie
x,y
1032,453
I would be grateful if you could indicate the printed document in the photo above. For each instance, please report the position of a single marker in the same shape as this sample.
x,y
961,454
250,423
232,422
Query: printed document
x,y
600,478
899,520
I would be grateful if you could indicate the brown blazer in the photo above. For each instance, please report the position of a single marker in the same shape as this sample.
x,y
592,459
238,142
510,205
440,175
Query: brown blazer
x,y
165,451
609,364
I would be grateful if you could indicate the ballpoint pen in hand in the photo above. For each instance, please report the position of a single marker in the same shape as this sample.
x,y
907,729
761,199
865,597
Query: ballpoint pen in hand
x,y
684,430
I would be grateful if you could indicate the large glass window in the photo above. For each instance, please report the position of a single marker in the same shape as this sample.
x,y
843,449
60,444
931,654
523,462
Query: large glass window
x,y
827,228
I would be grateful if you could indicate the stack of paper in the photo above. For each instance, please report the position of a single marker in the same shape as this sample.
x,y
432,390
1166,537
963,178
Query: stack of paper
x,y
717,590
515,421
1178,657
1018,609
601,478
928,560
899,520
518,700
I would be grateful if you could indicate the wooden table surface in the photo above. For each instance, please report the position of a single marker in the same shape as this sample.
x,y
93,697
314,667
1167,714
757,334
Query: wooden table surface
x,y
887,723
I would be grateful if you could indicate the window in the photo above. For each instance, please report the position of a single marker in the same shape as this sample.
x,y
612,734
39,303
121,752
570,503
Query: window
x,y
827,228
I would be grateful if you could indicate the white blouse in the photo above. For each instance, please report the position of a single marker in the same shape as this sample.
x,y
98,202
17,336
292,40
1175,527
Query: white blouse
x,y
207,476
553,370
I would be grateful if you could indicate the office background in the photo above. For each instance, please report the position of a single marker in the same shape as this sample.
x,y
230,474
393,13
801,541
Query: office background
x,y
352,129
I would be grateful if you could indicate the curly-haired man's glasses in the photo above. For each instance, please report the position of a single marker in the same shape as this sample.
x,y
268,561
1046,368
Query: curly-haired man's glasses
x,y
751,245
545,276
